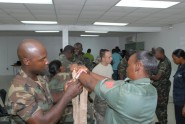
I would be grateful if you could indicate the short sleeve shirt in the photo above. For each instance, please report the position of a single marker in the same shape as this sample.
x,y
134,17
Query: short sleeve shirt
x,y
65,62
26,97
57,83
102,70
128,103
164,69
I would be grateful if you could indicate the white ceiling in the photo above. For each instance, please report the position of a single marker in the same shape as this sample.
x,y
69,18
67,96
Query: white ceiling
x,y
86,12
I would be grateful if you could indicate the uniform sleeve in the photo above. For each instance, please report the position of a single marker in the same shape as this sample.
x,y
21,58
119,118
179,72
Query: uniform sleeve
x,y
106,90
162,69
122,67
22,102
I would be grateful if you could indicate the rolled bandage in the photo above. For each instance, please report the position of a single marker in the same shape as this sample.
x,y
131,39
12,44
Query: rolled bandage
x,y
80,102
77,74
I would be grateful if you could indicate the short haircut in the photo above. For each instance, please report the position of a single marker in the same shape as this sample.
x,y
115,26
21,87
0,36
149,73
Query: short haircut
x,y
89,51
69,49
148,60
78,45
102,52
160,49
179,53
61,50
113,50
54,67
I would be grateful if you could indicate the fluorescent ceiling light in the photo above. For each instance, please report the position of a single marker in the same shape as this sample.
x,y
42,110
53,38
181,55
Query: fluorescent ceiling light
x,y
146,4
112,24
84,35
28,1
96,31
39,22
46,31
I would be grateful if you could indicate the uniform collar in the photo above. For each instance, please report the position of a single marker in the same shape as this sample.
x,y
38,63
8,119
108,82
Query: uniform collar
x,y
39,77
142,81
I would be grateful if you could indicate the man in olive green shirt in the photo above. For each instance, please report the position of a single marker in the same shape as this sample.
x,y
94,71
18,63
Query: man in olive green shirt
x,y
132,101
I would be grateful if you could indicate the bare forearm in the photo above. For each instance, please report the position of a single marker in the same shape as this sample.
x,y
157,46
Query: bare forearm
x,y
57,95
96,76
53,115
89,81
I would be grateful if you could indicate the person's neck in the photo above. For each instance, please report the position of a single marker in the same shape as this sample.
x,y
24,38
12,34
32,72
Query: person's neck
x,y
162,58
141,75
183,62
29,74
104,63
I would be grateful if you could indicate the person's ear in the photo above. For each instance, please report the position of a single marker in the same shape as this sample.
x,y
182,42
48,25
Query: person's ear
x,y
26,61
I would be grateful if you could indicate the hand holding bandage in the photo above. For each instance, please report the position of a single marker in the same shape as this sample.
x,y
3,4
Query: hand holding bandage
x,y
79,102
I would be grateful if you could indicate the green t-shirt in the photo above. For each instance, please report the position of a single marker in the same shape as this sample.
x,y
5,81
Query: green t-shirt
x,y
132,102
89,56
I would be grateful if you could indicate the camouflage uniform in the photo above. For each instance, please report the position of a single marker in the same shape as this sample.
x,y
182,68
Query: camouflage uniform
x,y
122,69
65,62
100,106
79,59
26,97
57,82
163,89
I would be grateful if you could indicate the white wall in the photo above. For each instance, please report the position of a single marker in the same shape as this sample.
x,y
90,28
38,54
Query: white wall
x,y
8,47
8,50
169,39
95,43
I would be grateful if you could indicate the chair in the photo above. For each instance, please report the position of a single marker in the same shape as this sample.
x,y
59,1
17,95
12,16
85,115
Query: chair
x,y
6,118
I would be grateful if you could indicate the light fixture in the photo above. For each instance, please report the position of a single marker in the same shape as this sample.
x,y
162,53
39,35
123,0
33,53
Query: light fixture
x,y
39,22
84,35
96,32
47,31
28,1
111,24
146,4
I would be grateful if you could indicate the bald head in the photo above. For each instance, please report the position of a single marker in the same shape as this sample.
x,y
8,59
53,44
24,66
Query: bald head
x,y
33,57
28,48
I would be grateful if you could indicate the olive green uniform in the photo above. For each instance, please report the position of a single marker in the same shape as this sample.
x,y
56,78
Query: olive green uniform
x,y
129,102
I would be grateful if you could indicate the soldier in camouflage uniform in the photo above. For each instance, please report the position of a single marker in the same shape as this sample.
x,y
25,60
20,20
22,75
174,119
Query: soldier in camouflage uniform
x,y
66,57
29,96
79,57
58,76
78,54
162,84
57,81
122,67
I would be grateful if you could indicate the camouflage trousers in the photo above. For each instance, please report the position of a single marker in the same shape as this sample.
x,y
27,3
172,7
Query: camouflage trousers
x,y
100,107
162,102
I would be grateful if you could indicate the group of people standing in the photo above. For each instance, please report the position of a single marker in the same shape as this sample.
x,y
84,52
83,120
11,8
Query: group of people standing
x,y
142,91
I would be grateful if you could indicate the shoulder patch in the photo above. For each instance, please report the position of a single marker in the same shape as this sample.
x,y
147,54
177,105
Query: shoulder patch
x,y
109,84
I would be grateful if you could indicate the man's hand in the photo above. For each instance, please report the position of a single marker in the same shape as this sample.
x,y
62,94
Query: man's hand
x,y
183,111
73,67
77,67
73,88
